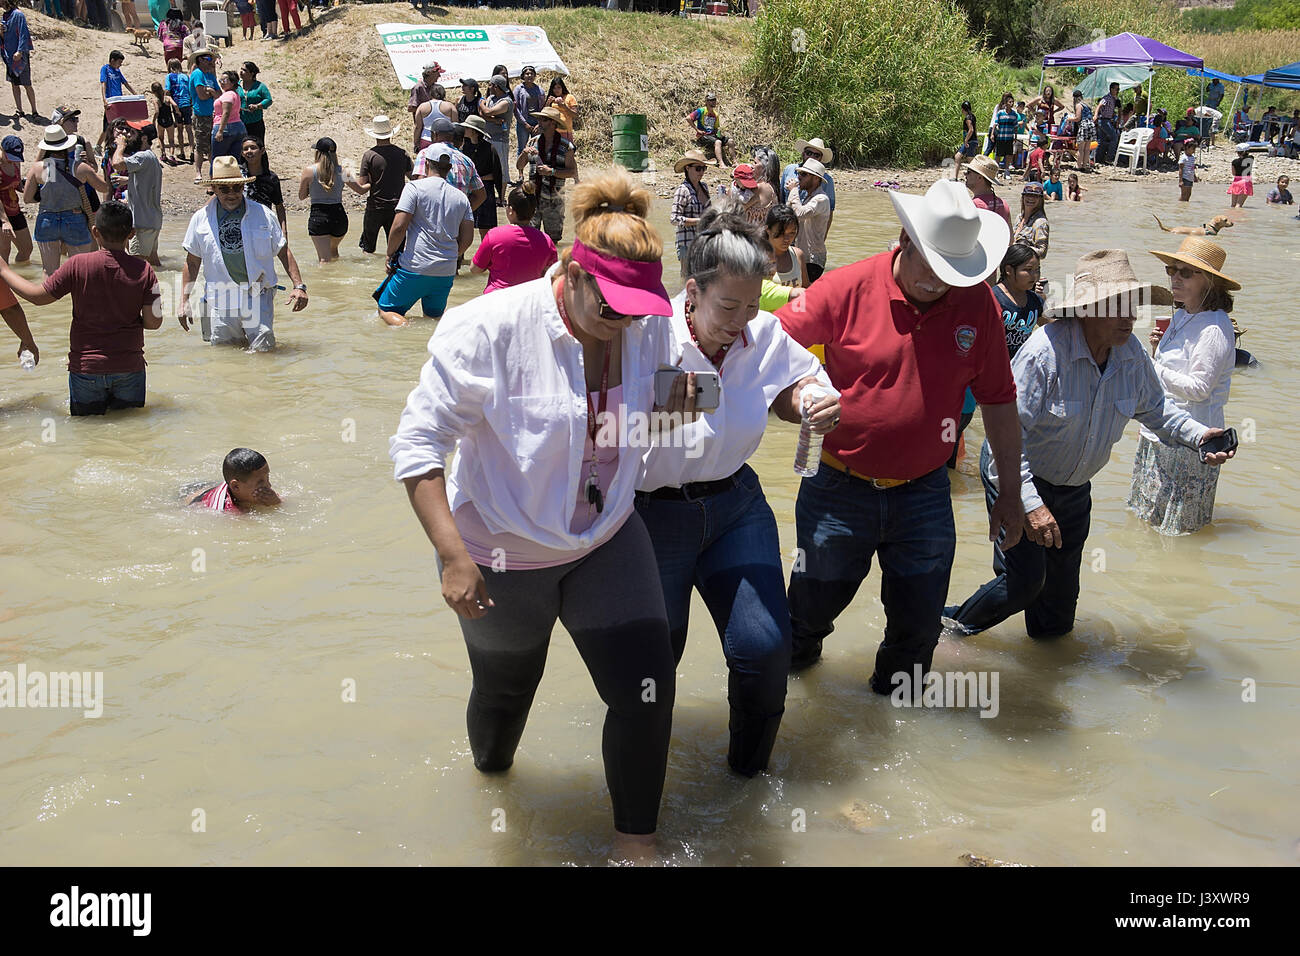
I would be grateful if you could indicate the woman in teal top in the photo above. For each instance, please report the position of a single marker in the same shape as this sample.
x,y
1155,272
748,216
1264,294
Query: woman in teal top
x,y
254,98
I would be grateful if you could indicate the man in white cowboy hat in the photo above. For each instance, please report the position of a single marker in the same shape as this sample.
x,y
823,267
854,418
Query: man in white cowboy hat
x,y
905,333
811,149
813,207
204,89
550,160
385,168
236,243
1079,380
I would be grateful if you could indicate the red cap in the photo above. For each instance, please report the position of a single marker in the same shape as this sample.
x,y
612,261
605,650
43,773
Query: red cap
x,y
744,174
630,287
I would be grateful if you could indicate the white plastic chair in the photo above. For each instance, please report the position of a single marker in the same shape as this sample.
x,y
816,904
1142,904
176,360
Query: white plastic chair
x,y
1133,144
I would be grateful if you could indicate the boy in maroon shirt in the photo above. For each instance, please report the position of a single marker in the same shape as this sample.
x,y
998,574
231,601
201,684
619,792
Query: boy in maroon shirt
x,y
114,299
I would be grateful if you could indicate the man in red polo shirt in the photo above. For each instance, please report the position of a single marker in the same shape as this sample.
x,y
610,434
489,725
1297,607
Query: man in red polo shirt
x,y
905,333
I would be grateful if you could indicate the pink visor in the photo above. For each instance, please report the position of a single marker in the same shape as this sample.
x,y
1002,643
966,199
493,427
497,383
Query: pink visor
x,y
630,288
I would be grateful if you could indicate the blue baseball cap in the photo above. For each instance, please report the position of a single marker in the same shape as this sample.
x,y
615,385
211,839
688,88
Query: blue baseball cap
x,y
13,148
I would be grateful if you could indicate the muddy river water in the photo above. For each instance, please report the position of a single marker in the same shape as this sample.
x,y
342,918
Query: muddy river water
x,y
228,646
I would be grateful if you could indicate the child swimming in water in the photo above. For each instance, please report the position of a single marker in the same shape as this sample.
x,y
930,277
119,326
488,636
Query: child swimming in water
x,y
247,485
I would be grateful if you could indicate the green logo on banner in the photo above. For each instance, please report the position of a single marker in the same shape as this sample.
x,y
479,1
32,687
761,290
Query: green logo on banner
x,y
436,36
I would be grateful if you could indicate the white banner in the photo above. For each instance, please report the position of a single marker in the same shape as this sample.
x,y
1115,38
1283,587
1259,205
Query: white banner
x,y
466,51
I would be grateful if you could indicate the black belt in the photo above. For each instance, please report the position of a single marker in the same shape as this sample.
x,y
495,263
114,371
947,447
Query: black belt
x,y
696,489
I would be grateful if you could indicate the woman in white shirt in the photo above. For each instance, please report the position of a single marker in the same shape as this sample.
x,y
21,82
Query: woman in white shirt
x,y
1173,490
534,521
711,526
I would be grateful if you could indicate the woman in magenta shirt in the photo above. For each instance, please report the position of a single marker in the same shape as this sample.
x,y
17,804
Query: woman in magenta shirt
x,y
515,253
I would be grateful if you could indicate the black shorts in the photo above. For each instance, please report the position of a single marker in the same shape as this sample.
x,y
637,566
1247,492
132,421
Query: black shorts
x,y
327,219
707,141
1003,148
18,221
485,216
187,115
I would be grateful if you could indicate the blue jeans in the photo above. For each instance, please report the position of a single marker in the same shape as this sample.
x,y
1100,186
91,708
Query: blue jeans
x,y
1107,140
841,522
725,545
1042,582
97,394
229,143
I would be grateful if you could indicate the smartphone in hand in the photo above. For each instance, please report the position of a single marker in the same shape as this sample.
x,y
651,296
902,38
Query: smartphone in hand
x,y
1220,443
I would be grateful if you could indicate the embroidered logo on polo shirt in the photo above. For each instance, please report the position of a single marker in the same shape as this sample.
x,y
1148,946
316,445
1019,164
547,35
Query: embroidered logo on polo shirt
x,y
965,337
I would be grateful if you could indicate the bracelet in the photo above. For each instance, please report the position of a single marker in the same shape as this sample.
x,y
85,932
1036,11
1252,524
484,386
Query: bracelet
x,y
300,287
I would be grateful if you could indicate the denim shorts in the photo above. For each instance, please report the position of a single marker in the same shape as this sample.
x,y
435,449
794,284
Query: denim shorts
x,y
97,394
69,226
405,288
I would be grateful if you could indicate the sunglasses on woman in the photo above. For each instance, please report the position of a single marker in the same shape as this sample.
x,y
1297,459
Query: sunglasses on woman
x,y
697,169
1185,272
603,307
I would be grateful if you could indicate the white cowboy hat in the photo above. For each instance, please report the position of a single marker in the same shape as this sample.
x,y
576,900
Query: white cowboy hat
x,y
828,155
961,243
226,172
193,57
381,127
57,138
814,167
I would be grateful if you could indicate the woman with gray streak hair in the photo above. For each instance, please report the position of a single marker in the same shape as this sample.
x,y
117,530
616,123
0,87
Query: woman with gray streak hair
x,y
709,522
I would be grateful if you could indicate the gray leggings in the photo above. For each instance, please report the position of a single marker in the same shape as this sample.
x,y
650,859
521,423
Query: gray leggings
x,y
611,604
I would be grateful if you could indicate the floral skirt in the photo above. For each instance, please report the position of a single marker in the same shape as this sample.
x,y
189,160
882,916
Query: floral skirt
x,y
1173,490
1241,186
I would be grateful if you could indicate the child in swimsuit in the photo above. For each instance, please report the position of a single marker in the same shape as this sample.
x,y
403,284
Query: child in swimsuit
x,y
247,485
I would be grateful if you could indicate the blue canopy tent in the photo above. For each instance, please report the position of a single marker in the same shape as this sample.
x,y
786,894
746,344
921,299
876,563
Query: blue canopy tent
x,y
1282,75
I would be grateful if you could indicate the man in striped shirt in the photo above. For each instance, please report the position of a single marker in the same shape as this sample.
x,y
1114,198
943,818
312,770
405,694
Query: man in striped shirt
x,y
1078,382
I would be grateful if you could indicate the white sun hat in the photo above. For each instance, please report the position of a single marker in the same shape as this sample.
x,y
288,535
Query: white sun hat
x,y
961,243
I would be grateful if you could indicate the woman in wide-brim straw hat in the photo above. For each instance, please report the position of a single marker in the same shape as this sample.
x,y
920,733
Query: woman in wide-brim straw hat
x,y
63,220
689,202
1173,490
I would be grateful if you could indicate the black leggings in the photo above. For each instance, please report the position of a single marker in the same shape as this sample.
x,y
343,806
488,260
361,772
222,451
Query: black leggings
x,y
612,606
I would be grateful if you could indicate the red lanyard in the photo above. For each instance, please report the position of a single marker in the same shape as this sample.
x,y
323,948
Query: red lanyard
x,y
604,373
717,357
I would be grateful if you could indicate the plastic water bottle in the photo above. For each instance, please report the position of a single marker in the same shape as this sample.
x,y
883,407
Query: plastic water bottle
x,y
808,453
26,360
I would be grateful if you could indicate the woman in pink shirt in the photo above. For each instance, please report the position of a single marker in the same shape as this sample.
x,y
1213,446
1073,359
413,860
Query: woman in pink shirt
x,y
515,253
228,130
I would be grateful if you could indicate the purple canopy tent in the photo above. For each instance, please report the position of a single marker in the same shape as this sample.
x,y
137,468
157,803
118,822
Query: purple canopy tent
x,y
1125,49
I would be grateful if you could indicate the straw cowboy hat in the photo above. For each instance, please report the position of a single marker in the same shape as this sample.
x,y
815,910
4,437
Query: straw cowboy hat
x,y
226,172
381,127
828,155
961,243
690,158
57,138
194,55
813,167
476,123
1204,254
550,113
1103,275
986,167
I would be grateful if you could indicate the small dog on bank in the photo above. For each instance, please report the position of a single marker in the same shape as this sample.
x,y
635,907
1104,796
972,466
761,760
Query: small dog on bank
x,y
140,38
1211,228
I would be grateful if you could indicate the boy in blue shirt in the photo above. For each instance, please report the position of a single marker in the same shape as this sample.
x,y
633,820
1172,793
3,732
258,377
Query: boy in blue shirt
x,y
111,82
177,87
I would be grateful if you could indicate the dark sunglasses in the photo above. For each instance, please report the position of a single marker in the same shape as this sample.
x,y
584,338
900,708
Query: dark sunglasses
x,y
227,190
606,313
1185,272
697,168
